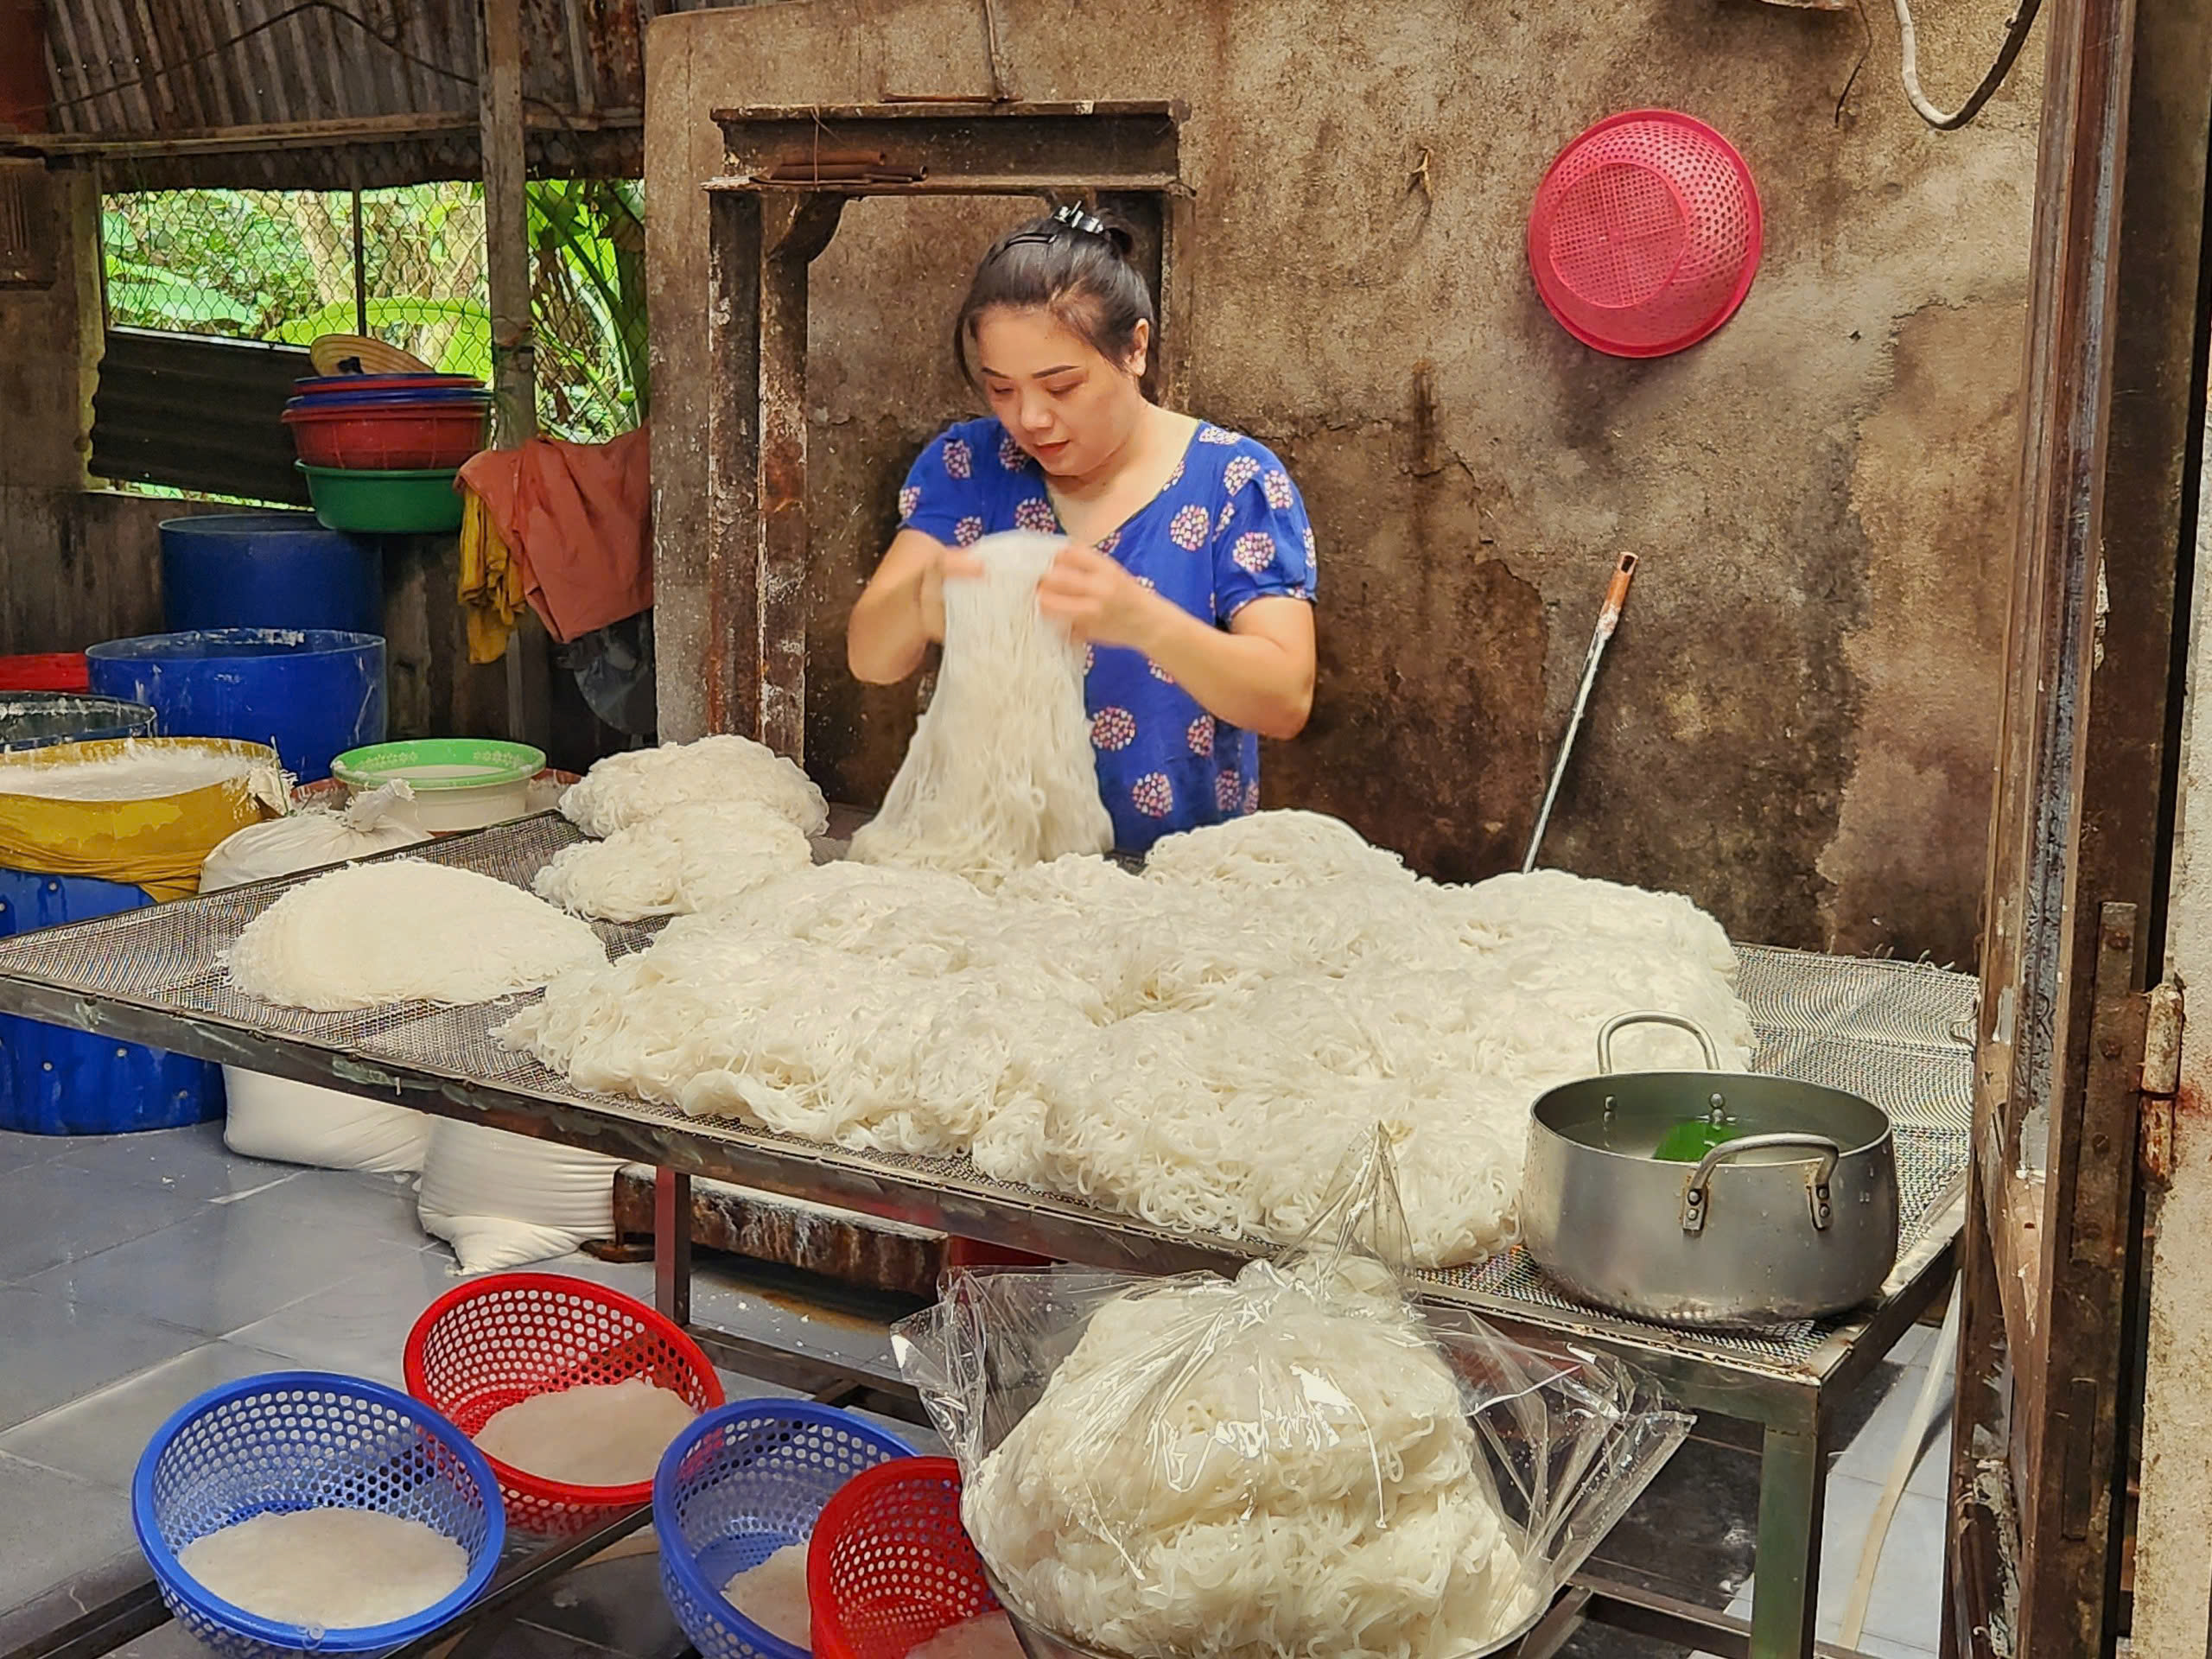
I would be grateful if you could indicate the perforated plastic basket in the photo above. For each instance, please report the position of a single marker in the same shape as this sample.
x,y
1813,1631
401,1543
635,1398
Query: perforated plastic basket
x,y
306,1440
1645,233
740,1485
500,1339
891,1565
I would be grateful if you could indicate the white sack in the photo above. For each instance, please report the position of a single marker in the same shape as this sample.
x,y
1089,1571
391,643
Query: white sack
x,y
275,1117
505,1200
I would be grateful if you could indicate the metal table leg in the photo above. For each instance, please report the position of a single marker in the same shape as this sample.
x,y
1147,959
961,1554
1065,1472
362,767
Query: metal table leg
x,y
673,1245
1793,1493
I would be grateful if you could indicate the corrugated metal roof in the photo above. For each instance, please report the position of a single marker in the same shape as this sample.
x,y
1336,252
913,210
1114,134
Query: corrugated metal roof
x,y
139,68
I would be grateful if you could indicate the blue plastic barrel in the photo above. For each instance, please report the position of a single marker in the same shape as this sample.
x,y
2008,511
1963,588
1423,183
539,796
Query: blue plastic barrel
x,y
269,570
35,720
312,694
56,1081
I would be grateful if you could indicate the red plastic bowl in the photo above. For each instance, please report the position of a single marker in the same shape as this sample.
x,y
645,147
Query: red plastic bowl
x,y
398,438
1645,234
497,1340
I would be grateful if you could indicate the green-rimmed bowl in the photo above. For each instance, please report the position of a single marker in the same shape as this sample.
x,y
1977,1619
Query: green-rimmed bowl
x,y
460,782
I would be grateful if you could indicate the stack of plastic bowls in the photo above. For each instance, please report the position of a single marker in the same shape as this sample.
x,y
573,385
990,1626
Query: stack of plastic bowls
x,y
380,450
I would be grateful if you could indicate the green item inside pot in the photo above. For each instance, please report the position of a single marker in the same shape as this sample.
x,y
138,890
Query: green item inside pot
x,y
1688,1143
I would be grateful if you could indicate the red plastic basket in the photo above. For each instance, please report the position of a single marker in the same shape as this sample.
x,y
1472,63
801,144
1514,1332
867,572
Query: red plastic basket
x,y
483,1347
1645,233
65,671
974,1253
889,1565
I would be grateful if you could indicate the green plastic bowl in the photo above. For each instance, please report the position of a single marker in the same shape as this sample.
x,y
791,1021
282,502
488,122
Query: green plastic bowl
x,y
405,503
460,782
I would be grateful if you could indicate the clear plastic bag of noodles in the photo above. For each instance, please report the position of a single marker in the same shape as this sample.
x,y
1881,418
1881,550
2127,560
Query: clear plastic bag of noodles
x,y
1293,1462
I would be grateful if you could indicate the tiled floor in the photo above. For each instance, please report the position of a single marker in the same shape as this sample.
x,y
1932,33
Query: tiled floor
x,y
138,1271
1904,1615
1693,1537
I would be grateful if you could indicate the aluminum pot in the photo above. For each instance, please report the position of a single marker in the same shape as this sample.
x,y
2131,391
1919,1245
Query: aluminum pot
x,y
1794,1216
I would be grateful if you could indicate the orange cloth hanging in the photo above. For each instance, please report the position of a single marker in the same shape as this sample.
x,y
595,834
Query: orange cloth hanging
x,y
577,518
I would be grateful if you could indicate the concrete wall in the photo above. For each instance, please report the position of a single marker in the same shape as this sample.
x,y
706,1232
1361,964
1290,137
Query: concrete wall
x,y
1796,721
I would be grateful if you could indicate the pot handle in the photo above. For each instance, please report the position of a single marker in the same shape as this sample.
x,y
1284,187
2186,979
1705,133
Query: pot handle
x,y
1652,1017
1697,1196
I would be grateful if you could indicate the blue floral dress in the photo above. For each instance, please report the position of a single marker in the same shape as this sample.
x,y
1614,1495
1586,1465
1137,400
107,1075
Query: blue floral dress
x,y
1227,528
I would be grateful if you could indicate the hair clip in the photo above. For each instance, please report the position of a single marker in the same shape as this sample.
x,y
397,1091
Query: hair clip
x,y
1075,218
1069,217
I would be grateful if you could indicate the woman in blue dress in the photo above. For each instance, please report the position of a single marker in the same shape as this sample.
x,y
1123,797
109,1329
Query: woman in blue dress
x,y
1188,573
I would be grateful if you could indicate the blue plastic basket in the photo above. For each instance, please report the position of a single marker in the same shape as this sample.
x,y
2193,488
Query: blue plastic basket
x,y
735,1487
306,1440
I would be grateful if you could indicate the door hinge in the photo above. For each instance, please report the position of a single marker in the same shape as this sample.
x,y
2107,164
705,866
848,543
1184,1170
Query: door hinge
x,y
2163,1025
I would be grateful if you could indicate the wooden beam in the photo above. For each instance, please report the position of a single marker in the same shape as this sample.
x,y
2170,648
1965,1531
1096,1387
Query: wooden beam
x,y
930,111
956,148
1981,1535
2076,1450
514,349
2016,1209
2084,804
507,226
809,222
732,655
308,135
978,184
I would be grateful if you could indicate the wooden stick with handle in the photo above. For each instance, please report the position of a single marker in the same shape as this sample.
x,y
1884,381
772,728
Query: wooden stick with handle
x,y
1608,620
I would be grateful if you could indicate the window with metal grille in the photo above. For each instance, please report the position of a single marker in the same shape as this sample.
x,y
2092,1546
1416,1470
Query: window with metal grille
x,y
215,295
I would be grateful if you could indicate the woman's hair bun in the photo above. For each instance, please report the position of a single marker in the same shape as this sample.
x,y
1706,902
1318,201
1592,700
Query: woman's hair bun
x,y
1088,223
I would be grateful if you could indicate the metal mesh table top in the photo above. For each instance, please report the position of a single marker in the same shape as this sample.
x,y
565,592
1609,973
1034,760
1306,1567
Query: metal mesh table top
x,y
1900,1035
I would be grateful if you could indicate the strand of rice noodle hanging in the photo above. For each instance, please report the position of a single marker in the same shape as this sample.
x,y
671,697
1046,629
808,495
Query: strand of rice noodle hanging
x,y
1000,773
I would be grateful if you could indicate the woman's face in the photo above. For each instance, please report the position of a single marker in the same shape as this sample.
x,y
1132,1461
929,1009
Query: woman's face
x,y
1067,406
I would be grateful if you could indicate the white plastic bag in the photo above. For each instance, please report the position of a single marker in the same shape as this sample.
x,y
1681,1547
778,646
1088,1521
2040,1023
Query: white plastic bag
x,y
1289,1463
310,839
275,1117
504,1200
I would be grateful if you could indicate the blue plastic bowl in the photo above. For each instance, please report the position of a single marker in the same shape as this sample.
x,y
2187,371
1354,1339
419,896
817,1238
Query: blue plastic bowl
x,y
738,1485
39,720
430,398
304,1439
428,381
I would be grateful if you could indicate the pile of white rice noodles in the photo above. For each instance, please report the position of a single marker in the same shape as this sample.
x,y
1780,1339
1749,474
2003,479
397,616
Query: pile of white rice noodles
x,y
1197,1044
1288,1464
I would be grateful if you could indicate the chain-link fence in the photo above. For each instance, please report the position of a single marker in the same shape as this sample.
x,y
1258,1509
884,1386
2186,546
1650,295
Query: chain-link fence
x,y
405,265
587,305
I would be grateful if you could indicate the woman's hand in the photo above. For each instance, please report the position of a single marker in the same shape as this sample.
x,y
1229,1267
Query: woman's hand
x,y
901,611
1096,600
952,563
